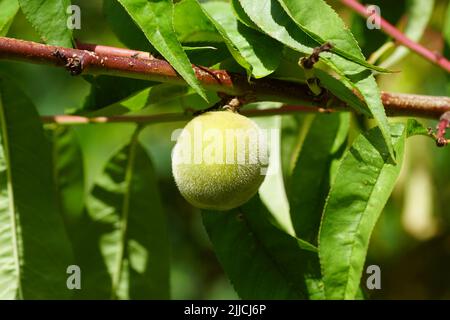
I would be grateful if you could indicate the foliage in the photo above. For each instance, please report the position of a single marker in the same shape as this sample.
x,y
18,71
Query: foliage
x,y
102,196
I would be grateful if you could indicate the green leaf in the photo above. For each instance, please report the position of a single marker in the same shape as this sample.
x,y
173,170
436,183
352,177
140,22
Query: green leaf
x,y
362,186
321,22
149,101
191,24
257,53
340,90
367,86
419,13
99,143
272,192
446,34
270,17
155,20
49,18
241,15
125,214
415,128
209,56
8,10
262,261
124,27
324,143
34,248
68,172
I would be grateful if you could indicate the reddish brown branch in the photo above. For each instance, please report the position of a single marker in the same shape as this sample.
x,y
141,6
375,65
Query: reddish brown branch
x,y
124,62
153,69
443,125
392,31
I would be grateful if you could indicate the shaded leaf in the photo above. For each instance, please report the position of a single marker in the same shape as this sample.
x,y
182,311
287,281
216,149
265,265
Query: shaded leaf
x,y
155,20
191,24
49,18
106,90
362,186
340,90
149,100
99,143
311,178
68,172
321,22
262,261
124,27
34,248
124,215
256,52
208,57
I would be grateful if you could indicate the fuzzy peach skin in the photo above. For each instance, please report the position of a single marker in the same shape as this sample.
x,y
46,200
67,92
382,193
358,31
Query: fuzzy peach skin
x,y
217,163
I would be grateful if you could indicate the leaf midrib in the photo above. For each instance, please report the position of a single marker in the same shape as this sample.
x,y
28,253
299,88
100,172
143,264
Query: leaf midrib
x,y
11,205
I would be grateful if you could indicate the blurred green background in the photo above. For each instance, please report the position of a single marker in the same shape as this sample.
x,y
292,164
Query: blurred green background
x,y
411,242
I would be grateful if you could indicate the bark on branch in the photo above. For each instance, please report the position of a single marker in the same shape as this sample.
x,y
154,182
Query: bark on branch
x,y
95,59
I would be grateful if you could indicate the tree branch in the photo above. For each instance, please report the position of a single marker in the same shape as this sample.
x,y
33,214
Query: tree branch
x,y
140,65
434,57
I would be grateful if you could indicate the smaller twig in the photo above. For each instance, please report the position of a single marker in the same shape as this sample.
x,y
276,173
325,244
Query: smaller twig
x,y
234,104
226,102
215,106
307,63
441,130
310,61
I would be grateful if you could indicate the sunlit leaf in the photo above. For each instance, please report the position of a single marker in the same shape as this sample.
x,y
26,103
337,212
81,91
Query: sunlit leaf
x,y
155,20
311,177
256,52
68,172
362,186
270,17
191,24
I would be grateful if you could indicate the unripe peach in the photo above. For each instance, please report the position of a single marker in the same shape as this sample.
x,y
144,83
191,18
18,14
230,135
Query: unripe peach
x,y
219,160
